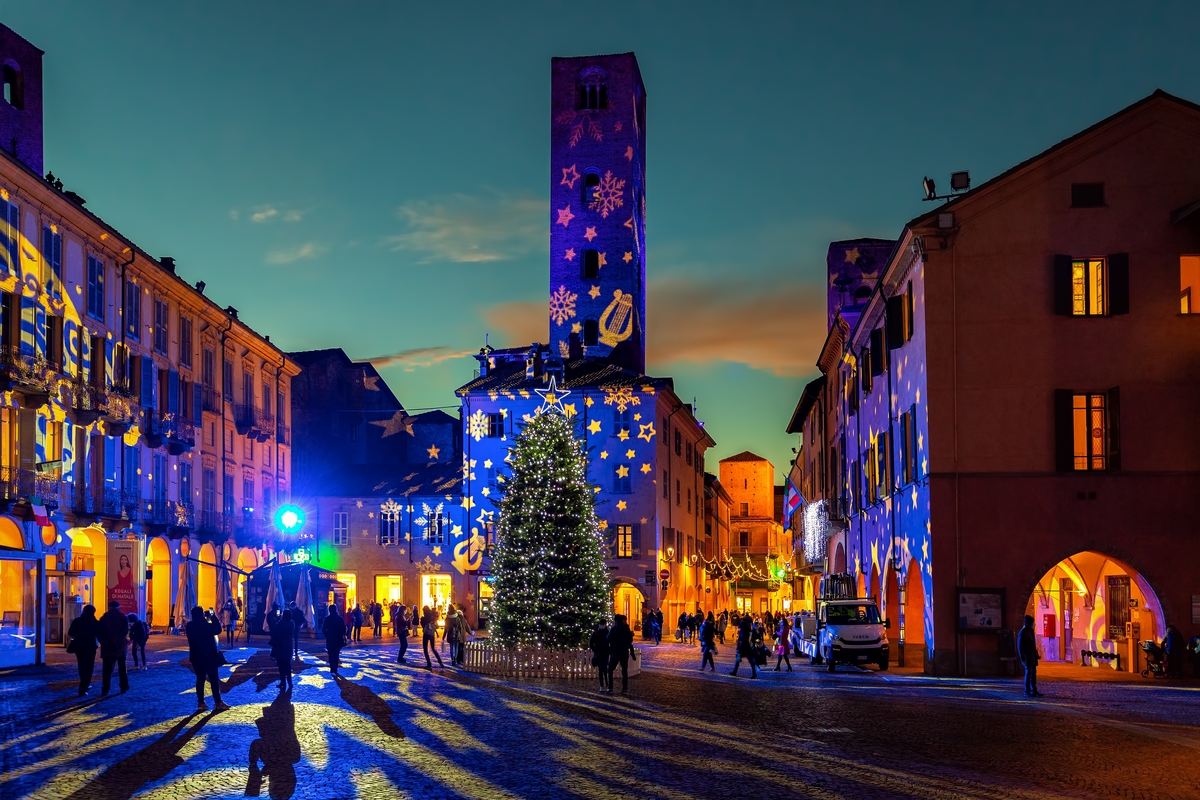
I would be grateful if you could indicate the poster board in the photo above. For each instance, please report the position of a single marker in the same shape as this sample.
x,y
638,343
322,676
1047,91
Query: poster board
x,y
981,610
126,574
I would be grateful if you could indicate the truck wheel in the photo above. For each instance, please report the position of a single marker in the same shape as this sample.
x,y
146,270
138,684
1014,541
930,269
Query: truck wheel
x,y
830,664
814,659
883,664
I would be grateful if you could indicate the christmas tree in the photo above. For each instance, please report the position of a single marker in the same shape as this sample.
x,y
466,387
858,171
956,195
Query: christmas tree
x,y
550,579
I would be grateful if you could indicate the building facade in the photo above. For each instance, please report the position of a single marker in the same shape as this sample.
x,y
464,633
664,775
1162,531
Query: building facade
x,y
759,551
143,430
1017,399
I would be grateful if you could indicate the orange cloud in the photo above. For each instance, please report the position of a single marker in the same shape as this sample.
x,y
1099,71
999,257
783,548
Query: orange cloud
x,y
777,326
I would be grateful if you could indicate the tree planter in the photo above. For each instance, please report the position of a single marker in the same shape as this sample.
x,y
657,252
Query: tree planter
x,y
488,658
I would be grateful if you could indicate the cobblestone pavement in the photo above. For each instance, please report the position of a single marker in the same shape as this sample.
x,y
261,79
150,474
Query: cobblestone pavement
x,y
397,731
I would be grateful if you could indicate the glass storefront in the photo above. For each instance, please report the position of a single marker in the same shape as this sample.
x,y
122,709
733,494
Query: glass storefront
x,y
388,589
435,593
18,604
350,580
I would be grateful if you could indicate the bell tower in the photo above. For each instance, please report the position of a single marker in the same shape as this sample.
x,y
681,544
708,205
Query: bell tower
x,y
21,102
597,214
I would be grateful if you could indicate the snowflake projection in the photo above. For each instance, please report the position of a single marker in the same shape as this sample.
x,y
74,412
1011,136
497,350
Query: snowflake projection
x,y
622,398
562,306
430,518
578,120
478,427
608,196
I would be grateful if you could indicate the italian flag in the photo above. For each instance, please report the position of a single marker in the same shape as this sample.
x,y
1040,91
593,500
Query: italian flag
x,y
39,512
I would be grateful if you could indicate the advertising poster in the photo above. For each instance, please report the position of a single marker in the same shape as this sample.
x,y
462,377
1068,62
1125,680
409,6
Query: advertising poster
x,y
123,574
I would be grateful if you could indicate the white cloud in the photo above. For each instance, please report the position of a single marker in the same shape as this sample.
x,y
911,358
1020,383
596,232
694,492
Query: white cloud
x,y
293,216
306,250
419,357
470,229
264,214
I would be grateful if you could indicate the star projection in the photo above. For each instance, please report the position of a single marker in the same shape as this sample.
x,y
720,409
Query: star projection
x,y
550,579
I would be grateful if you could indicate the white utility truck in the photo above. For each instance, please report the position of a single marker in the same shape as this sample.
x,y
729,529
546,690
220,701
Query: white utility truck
x,y
846,629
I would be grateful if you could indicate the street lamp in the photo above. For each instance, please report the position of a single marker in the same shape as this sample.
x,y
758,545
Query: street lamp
x,y
289,519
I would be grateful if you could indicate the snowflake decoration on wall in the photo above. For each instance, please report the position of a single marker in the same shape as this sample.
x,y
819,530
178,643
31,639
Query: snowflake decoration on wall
x,y
622,398
562,306
580,119
609,195
478,425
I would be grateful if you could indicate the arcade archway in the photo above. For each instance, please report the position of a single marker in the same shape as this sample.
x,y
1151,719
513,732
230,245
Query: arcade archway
x,y
11,534
628,600
158,588
839,559
206,577
914,615
1091,601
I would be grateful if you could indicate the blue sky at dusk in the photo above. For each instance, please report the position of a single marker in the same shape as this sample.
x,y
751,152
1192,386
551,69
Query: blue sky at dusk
x,y
374,176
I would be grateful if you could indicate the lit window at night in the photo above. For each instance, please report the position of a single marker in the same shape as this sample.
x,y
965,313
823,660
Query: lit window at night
x,y
1189,284
624,541
1088,282
1090,424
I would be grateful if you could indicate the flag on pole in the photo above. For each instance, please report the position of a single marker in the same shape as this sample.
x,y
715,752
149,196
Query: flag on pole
x,y
39,512
792,499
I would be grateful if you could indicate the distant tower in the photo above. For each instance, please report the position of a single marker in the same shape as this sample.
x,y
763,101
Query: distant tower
x,y
598,208
21,104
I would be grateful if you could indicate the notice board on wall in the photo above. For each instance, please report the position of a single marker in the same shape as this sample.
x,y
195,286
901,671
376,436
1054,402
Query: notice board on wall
x,y
980,609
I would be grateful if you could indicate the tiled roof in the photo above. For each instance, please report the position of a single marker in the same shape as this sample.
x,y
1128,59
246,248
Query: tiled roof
x,y
745,455
590,373
392,480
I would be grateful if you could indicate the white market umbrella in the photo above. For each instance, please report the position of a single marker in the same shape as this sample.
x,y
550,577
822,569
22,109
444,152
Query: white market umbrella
x,y
274,589
304,597
223,593
185,596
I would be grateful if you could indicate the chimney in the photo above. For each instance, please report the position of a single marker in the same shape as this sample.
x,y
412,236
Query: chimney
x,y
574,347
485,360
168,263
200,286
533,361
554,368
231,311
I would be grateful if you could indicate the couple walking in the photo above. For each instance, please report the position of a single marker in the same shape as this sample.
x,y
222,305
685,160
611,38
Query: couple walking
x,y
612,648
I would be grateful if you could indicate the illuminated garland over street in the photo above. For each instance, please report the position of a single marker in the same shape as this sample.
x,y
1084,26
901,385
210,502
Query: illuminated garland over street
x,y
550,579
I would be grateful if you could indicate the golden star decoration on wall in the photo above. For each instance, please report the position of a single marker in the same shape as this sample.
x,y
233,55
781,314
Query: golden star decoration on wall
x,y
371,382
623,435
468,503
594,292
487,463
603,524
399,422
358,503
601,260
570,254
637,417
569,410
604,454
565,216
622,471
852,256
630,454
629,152
646,431
570,175
594,426
433,452
627,257
576,327
437,550
589,234
588,402
645,469
621,505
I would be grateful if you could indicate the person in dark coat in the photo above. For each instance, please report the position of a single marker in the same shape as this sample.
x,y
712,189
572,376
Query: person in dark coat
x,y
620,648
139,632
429,618
708,643
358,623
202,652
401,626
84,631
1027,651
1173,651
114,639
281,648
334,631
745,645
599,646
299,623
272,618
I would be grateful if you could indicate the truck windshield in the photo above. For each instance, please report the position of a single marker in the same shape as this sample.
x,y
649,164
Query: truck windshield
x,y
866,614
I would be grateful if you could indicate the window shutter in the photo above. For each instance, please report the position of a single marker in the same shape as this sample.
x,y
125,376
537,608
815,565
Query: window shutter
x,y
909,315
1064,431
1062,285
1114,428
173,392
148,375
611,541
878,352
197,404
382,530
635,539
1118,283
895,321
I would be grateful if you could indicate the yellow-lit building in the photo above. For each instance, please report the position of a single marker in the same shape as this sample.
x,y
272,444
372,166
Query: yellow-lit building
x,y
758,548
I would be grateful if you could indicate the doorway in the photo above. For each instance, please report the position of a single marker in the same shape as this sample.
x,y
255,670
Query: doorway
x,y
388,589
435,593
628,600
158,588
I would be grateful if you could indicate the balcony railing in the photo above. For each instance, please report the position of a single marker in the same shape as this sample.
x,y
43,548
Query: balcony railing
x,y
283,434
16,483
180,433
182,515
213,523
30,374
153,428
246,419
88,402
156,511
212,400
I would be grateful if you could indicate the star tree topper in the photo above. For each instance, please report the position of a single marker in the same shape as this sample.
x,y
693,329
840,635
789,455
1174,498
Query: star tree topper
x,y
552,397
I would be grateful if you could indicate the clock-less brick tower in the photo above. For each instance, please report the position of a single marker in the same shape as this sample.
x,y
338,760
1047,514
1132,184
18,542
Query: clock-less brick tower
x,y
597,190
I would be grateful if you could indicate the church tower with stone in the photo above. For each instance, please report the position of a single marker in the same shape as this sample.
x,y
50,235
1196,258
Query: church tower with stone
x,y
597,190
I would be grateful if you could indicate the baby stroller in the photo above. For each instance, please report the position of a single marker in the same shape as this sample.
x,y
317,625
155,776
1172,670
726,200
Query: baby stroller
x,y
1156,660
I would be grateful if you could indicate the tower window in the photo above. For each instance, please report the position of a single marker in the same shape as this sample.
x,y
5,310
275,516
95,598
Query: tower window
x,y
591,333
593,89
14,93
591,181
591,264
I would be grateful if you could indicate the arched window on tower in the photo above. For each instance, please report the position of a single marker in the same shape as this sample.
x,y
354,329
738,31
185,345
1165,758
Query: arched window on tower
x,y
591,264
14,93
591,181
591,333
593,89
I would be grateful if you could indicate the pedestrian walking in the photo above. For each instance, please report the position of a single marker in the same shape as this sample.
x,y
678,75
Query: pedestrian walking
x,y
229,619
138,634
783,644
658,625
620,648
393,607
202,652
272,619
299,623
348,619
708,643
722,624
599,647
745,646
114,638
358,622
429,619
1173,652
450,633
402,633
281,648
377,619
334,631
681,627
464,633
1027,650
84,632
